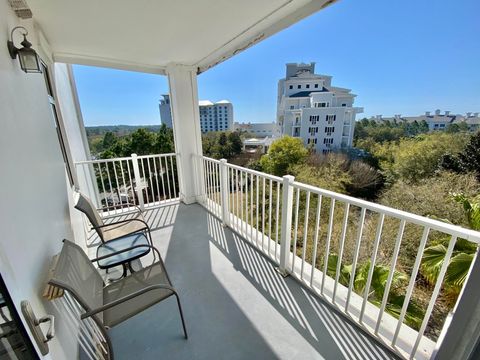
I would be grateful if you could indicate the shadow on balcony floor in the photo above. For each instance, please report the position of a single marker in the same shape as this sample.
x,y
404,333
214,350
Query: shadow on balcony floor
x,y
236,305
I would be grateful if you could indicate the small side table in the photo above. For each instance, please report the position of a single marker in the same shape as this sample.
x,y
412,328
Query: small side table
x,y
110,254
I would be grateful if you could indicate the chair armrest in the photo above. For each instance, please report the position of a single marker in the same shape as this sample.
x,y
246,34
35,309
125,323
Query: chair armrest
x,y
120,206
120,222
126,298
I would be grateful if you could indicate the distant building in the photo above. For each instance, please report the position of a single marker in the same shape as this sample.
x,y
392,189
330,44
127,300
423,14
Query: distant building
x,y
260,130
213,116
216,116
309,107
437,121
165,112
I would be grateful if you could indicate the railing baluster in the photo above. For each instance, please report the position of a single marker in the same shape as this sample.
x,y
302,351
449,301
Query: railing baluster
x,y
168,180
315,241
237,193
251,207
116,183
295,233
162,177
329,238
411,284
378,236
110,184
277,220
103,185
390,274
173,177
156,178
436,291
246,206
270,216
355,257
124,185
305,233
263,214
144,180
340,252
131,182
150,178
256,208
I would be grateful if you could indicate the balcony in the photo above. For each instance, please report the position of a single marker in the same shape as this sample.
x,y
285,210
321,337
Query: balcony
x,y
234,300
229,253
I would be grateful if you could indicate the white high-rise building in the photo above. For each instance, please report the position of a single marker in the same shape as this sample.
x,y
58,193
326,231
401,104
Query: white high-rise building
x,y
216,116
165,112
213,116
308,106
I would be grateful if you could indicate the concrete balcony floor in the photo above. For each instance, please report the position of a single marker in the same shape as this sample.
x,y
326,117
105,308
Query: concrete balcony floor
x,y
236,305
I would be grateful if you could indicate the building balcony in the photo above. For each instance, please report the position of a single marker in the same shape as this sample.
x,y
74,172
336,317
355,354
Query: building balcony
x,y
228,255
235,302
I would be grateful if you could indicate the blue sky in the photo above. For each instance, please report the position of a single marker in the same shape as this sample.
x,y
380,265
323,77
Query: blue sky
x,y
399,57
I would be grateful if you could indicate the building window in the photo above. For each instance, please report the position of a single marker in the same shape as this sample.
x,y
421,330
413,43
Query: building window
x,y
299,86
60,131
314,119
316,86
292,107
326,151
330,119
290,87
329,130
344,105
320,104
308,86
328,141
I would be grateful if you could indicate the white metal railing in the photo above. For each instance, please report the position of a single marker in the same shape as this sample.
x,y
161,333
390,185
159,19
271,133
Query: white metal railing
x,y
117,183
300,227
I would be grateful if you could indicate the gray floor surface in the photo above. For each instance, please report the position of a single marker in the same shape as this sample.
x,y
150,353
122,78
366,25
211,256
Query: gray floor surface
x,y
235,304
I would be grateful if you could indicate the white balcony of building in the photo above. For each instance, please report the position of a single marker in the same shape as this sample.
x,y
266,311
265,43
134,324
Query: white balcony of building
x,y
231,237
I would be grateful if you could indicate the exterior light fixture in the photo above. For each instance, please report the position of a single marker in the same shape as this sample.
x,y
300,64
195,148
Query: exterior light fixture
x,y
29,60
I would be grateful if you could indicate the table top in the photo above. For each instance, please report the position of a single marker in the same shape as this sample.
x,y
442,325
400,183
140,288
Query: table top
x,y
122,243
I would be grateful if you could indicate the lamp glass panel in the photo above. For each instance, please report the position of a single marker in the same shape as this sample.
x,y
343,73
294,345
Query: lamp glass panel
x,y
29,61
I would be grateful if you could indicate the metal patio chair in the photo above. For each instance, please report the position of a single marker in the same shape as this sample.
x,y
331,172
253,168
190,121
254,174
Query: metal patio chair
x,y
116,236
110,305
114,230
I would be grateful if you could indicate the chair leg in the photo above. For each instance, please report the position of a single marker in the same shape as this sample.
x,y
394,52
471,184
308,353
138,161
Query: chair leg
x,y
181,316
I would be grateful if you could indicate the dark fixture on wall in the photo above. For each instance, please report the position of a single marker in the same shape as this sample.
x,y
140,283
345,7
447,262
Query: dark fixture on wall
x,y
29,60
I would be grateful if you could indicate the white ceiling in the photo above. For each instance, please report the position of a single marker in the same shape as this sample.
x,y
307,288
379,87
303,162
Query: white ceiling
x,y
146,35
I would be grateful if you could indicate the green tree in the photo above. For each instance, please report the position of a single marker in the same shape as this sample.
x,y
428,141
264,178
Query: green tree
x,y
164,143
109,139
283,153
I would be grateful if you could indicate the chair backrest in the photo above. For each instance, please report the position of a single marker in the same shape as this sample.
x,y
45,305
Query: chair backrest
x,y
85,205
75,273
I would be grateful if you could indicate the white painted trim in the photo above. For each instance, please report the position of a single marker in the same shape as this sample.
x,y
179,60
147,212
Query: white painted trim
x,y
108,63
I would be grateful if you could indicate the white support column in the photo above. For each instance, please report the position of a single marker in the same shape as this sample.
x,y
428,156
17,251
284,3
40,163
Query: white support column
x,y
224,192
286,234
139,184
186,129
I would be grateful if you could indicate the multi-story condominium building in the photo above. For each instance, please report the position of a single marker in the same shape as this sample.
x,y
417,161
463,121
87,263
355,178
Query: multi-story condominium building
x,y
308,106
216,116
165,112
213,116
259,130
437,121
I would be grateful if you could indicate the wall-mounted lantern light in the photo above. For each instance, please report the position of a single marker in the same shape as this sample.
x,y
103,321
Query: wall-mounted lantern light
x,y
29,61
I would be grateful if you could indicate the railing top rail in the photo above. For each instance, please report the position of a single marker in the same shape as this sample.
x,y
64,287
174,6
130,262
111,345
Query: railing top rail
x,y
98,161
122,158
255,172
467,234
157,155
211,159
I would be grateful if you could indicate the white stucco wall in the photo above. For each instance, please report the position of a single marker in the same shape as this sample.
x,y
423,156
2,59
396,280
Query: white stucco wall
x,y
34,207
